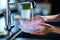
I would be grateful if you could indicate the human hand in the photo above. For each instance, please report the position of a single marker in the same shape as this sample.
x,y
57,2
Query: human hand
x,y
46,28
38,17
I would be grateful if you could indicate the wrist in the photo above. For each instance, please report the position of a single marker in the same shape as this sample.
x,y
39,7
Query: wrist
x,y
56,30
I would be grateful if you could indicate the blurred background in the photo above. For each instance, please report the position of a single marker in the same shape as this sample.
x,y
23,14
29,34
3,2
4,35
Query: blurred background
x,y
42,7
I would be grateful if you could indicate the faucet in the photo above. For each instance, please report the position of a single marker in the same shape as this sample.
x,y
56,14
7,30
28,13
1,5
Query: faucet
x,y
8,19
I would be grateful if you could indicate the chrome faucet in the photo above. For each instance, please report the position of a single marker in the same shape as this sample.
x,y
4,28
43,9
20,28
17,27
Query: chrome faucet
x,y
8,19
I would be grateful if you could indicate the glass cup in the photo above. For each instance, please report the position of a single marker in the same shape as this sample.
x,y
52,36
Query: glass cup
x,y
26,11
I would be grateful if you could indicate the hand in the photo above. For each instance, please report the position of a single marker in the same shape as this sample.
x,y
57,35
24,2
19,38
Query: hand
x,y
46,28
38,17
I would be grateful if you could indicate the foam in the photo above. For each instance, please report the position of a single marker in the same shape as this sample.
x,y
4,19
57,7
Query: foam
x,y
30,24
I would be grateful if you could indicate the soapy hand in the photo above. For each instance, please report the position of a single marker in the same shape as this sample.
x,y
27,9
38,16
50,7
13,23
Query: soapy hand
x,y
46,28
38,17
36,23
31,24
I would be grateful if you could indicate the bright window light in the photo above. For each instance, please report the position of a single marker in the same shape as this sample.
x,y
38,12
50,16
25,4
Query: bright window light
x,y
3,4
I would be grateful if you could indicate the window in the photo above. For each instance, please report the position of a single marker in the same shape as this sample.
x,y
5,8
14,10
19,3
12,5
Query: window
x,y
3,4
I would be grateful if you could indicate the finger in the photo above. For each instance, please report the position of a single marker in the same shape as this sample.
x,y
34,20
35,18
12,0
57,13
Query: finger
x,y
36,17
40,18
44,24
37,31
46,27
